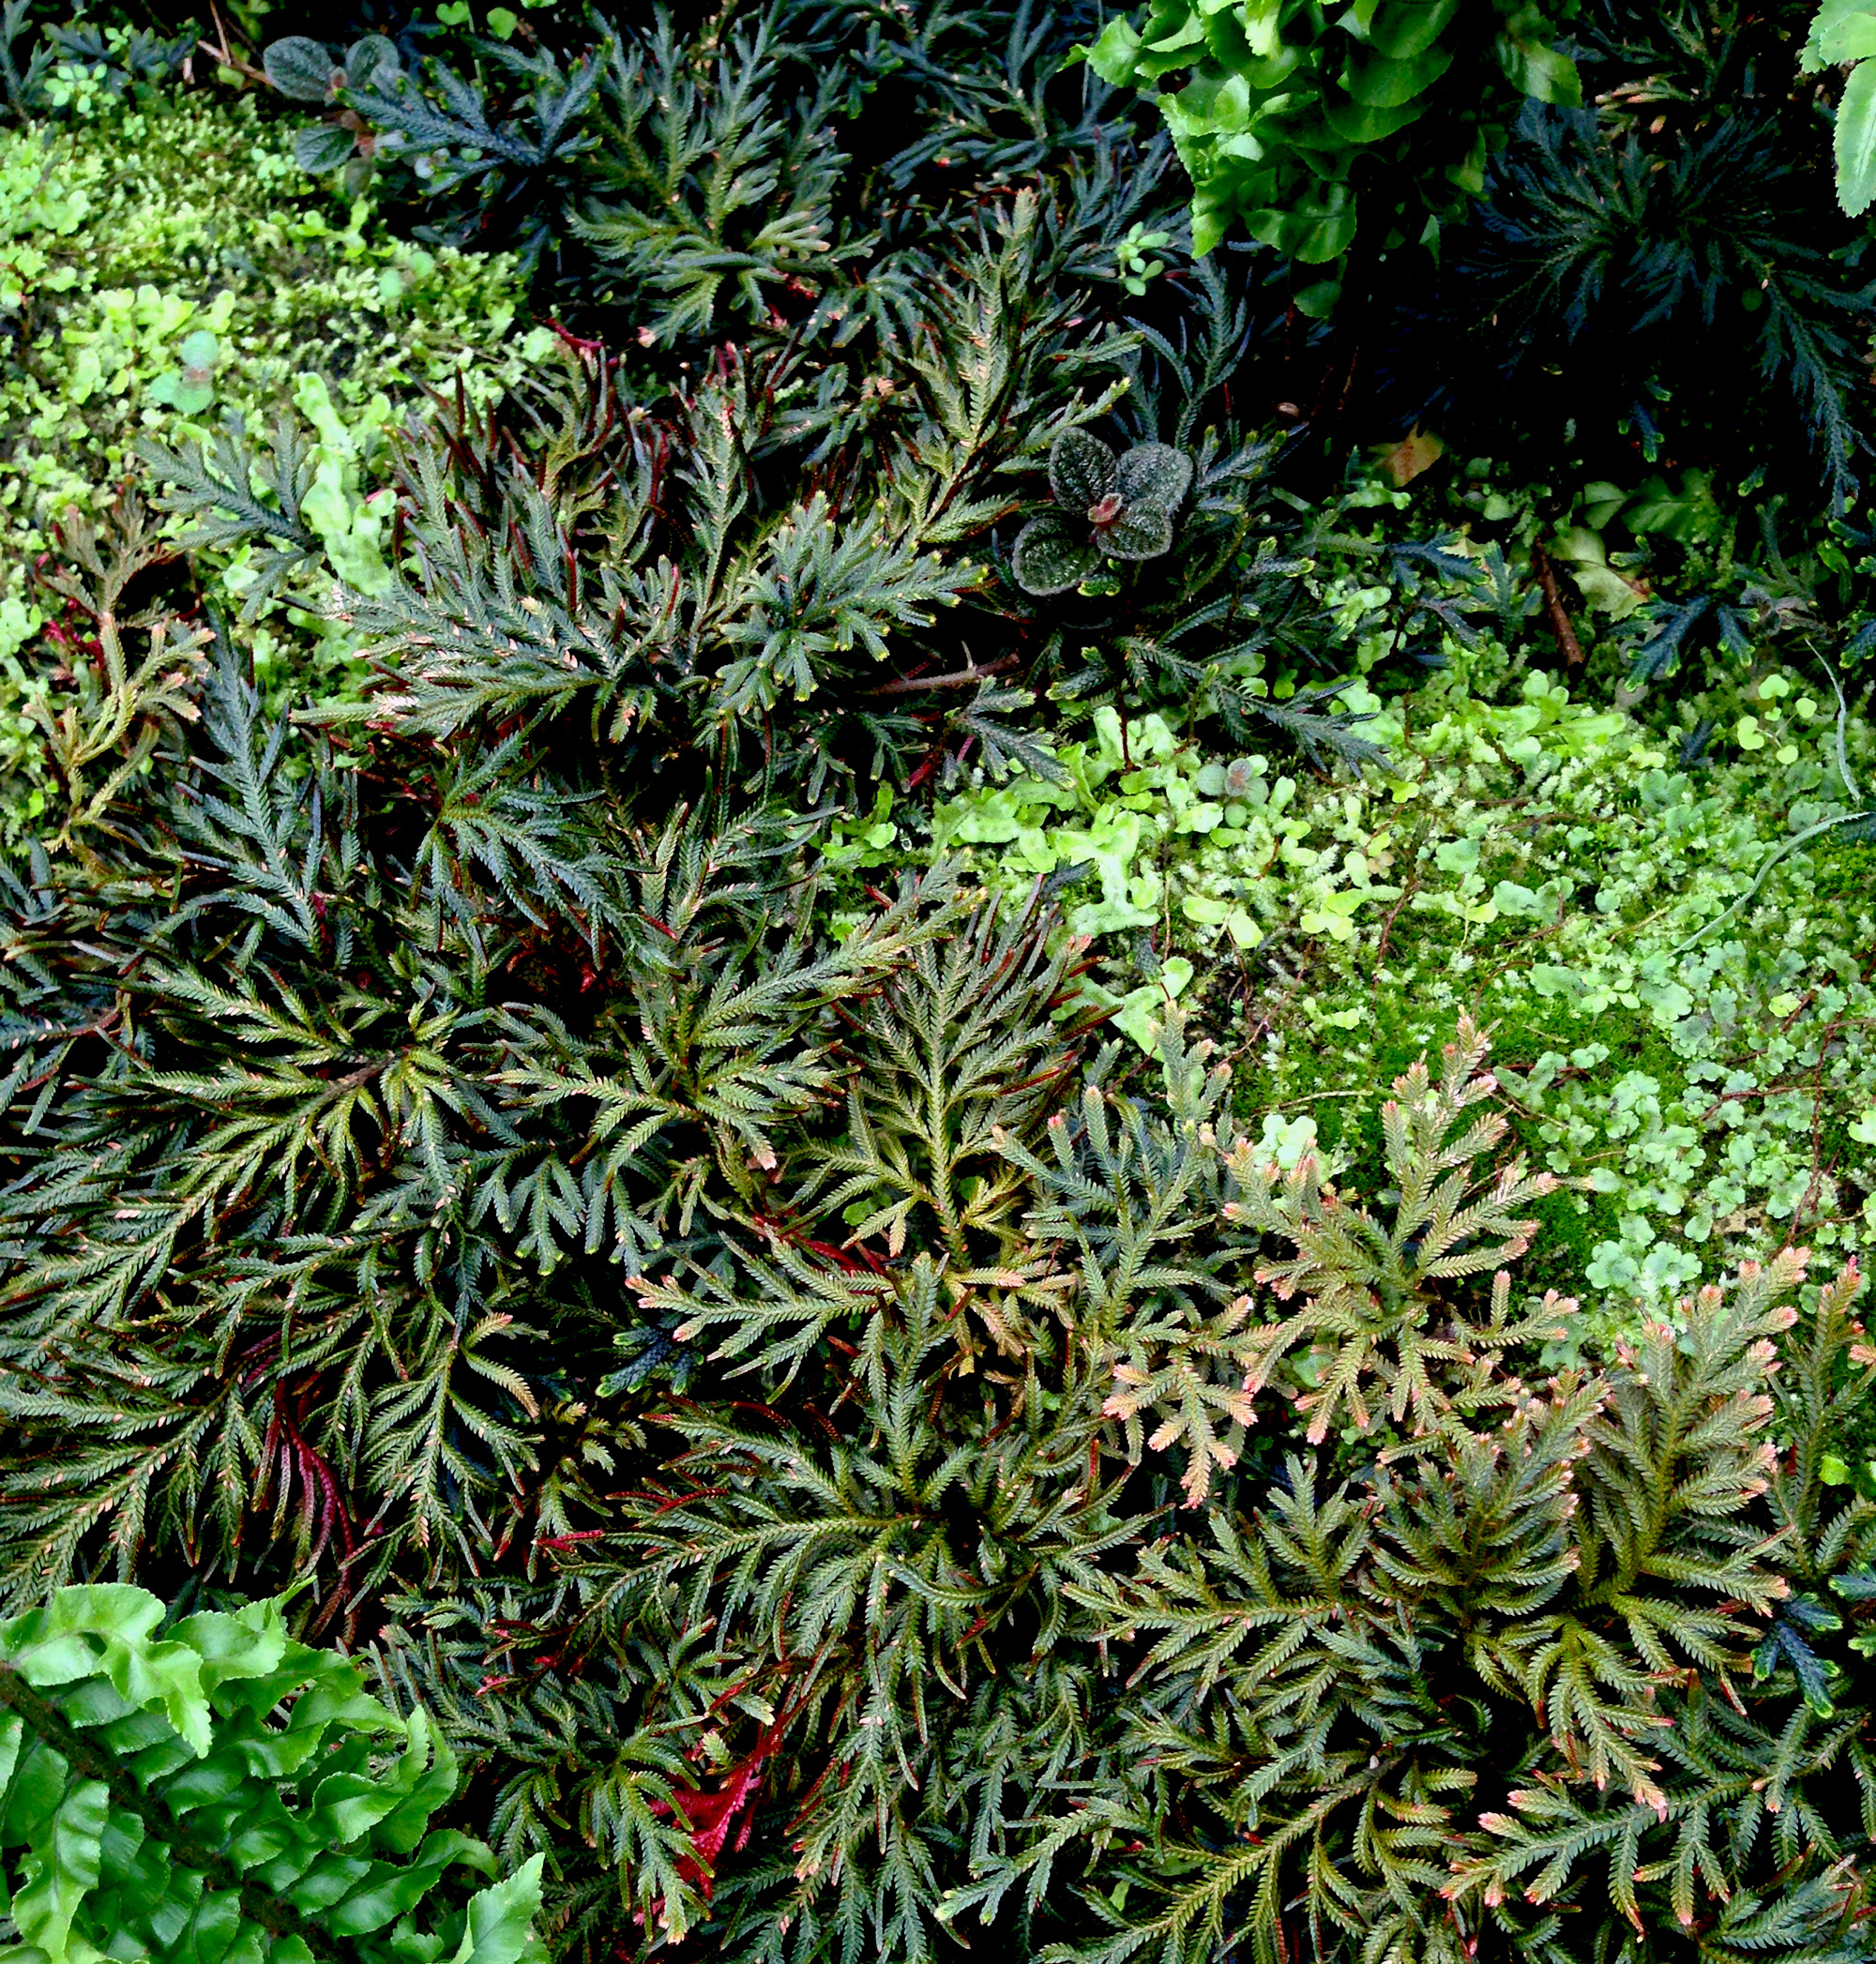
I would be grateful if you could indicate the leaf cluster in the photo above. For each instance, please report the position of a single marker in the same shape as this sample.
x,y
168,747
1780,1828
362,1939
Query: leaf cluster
x,y
1598,244
911,1635
784,567
1291,118
217,1790
839,1469
848,1470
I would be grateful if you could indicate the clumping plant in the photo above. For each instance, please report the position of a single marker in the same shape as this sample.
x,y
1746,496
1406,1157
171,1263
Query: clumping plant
x,y
743,1380
1107,508
1425,1636
207,1787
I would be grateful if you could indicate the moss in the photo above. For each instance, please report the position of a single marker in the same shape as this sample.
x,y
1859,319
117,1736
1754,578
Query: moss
x,y
1571,1226
1843,878
1537,865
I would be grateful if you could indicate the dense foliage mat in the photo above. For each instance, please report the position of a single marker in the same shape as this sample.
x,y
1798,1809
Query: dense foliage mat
x,y
155,1806
726,798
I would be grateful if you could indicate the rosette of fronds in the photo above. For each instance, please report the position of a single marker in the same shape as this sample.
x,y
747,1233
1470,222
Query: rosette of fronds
x,y
1371,1286
340,1107
1497,1694
705,188
906,1630
1107,508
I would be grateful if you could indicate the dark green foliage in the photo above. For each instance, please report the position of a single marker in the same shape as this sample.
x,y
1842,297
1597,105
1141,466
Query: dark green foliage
x,y
782,542
22,79
1107,509
915,1607
849,1471
121,62
1601,246
813,159
522,985
1655,280
802,1435
711,193
440,127
305,1266
235,496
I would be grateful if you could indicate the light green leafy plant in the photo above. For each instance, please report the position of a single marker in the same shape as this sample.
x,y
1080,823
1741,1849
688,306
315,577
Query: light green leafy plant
x,y
1667,949
1295,120
1843,34
1133,256
216,1790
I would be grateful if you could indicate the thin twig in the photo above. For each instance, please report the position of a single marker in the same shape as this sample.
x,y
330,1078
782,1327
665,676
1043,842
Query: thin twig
x,y
224,53
962,678
1553,606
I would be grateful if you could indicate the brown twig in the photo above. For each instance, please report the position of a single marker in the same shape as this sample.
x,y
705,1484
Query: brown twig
x,y
961,678
224,53
1553,606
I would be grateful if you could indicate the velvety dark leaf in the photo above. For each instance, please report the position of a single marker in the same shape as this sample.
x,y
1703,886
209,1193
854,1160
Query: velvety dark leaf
x,y
300,68
1155,474
323,146
1052,555
1141,532
368,59
1081,470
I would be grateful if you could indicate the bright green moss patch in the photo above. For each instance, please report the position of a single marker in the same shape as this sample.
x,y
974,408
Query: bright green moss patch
x,y
1706,1084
